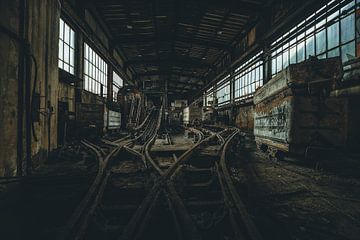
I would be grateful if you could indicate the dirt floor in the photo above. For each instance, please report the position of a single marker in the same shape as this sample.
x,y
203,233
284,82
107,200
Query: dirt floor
x,y
291,201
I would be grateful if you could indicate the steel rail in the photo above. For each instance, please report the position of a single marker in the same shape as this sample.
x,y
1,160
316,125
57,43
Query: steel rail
x,y
91,193
142,215
78,222
234,199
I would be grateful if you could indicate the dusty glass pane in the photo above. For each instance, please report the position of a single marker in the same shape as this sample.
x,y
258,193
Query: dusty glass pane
x,y
348,28
348,51
333,35
320,42
301,52
310,47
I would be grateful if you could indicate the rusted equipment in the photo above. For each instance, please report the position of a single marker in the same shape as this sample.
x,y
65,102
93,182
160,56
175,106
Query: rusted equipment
x,y
114,122
192,115
90,119
293,112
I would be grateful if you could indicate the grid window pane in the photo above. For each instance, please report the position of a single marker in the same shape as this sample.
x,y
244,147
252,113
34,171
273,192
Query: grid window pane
x,y
301,52
209,97
320,42
334,53
66,48
95,72
348,28
249,76
348,51
223,91
333,35
329,32
310,47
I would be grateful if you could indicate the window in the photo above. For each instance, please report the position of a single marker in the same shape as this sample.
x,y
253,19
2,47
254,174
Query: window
x,y
117,84
209,97
329,32
66,47
223,91
249,77
95,72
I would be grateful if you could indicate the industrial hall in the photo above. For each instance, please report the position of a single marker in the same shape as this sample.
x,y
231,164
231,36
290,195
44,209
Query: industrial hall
x,y
180,119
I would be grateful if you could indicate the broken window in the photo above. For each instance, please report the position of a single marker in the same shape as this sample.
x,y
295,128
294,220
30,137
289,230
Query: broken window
x,y
66,47
95,72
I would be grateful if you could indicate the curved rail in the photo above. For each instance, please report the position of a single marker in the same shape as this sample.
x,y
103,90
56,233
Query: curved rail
x,y
233,200
81,211
78,222
142,216
241,223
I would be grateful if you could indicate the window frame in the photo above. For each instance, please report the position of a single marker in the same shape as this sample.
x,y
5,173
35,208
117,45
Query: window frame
x,y
223,91
316,27
95,72
67,43
248,77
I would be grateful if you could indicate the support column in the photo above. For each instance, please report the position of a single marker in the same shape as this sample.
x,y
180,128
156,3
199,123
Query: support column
x,y
232,86
267,64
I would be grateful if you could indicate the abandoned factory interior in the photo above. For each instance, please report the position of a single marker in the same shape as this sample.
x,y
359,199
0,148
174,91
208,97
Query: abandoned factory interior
x,y
180,119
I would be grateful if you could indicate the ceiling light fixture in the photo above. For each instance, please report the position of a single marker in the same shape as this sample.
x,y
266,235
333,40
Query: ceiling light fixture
x,y
219,32
129,26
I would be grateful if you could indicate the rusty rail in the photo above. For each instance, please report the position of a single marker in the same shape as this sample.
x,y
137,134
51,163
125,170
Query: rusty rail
x,y
233,200
78,222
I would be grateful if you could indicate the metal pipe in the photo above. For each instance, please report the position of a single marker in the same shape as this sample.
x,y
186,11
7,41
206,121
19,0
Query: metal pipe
x,y
47,97
28,120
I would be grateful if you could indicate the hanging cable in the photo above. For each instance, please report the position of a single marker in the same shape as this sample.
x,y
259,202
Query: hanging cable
x,y
32,96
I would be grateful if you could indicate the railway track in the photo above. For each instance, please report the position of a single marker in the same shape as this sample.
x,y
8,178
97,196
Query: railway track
x,y
195,188
135,197
121,179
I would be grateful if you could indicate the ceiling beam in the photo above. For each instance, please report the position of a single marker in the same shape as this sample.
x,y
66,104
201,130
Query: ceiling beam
x,y
130,41
177,61
243,7
161,73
